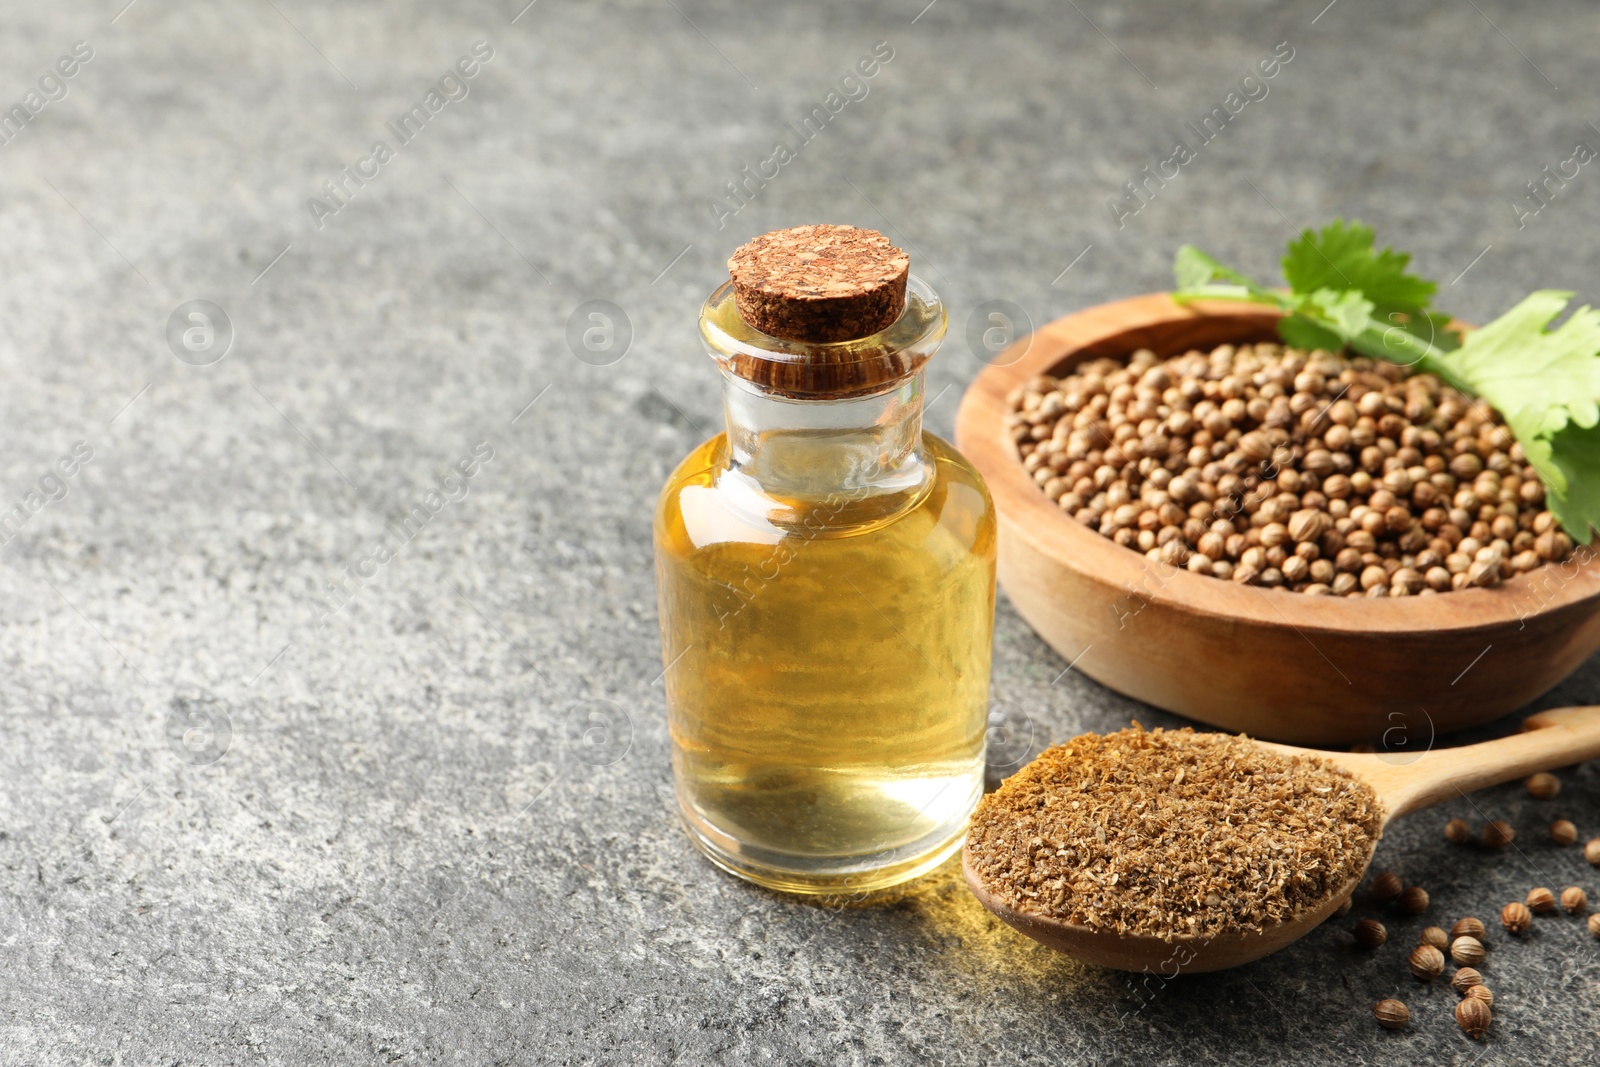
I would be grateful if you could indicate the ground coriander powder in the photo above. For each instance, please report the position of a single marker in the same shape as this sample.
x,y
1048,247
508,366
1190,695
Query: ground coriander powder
x,y
1168,833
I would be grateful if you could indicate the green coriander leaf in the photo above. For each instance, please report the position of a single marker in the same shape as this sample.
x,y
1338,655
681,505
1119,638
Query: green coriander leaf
x,y
1405,338
1301,332
1326,319
1574,453
1432,326
1341,257
1548,377
1193,268
1546,384
1347,312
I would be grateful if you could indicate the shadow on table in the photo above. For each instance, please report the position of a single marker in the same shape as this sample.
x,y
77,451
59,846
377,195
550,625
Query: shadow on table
x,y
1011,984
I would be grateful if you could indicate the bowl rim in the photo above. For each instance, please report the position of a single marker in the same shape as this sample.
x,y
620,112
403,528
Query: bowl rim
x,y
1027,514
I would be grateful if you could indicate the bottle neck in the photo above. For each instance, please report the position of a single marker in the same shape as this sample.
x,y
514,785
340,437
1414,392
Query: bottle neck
x,y
854,451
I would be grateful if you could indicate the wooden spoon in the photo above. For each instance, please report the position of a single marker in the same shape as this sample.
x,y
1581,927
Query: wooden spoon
x,y
1549,739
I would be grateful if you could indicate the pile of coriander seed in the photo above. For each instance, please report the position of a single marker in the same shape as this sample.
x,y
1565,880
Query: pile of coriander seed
x,y
1270,466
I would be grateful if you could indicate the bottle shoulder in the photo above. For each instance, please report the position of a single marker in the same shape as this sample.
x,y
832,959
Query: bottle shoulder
x,y
707,461
956,467
961,498
705,503
700,466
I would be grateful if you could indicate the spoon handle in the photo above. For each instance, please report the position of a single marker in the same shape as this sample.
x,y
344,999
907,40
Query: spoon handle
x,y
1550,739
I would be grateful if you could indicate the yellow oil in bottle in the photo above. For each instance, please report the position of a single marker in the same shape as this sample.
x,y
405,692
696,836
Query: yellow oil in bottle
x,y
828,658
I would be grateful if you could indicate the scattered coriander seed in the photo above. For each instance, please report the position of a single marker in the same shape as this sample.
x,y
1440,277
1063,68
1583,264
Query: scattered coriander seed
x,y
1563,832
1391,1014
1426,962
1413,901
1574,900
1472,1015
1498,834
1543,785
1467,951
1541,901
1594,924
1386,886
1591,851
1370,933
1464,979
1457,832
1481,992
1344,907
1515,917
1468,927
1435,936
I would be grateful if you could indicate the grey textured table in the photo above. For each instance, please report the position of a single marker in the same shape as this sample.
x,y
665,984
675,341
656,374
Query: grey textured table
x,y
434,825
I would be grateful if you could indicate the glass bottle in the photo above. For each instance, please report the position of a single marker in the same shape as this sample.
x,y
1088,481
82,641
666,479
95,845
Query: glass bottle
x,y
826,575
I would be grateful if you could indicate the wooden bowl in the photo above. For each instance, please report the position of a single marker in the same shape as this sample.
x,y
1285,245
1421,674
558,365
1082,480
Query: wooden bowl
x,y
1270,663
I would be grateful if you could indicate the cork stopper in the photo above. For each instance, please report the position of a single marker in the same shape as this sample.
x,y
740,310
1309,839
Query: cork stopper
x,y
820,284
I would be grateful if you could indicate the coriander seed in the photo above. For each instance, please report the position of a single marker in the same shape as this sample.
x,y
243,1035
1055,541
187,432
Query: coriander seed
x,y
1391,1014
1574,900
1468,927
1543,785
1457,832
1515,917
1435,936
1386,886
1594,924
1426,962
1591,851
1563,832
1472,1015
1498,834
1541,901
1481,992
1464,979
1413,901
1370,933
1467,951
1371,497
